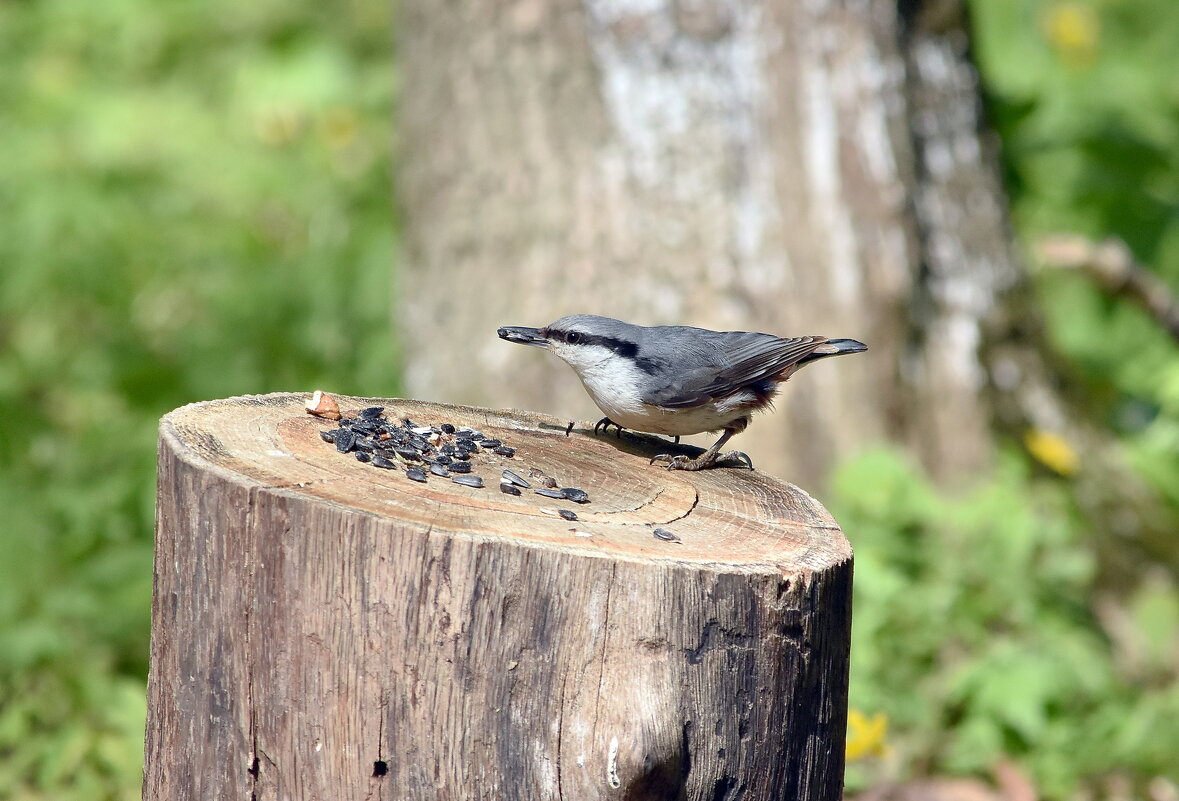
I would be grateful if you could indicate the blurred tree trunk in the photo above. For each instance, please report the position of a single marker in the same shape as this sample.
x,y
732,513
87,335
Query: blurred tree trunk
x,y
799,167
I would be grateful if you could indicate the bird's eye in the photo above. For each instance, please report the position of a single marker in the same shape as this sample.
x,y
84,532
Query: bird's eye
x,y
572,337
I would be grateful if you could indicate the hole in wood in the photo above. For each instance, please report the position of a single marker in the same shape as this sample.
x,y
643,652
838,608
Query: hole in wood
x,y
380,768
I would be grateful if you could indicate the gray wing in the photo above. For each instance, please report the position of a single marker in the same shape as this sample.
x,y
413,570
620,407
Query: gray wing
x,y
730,363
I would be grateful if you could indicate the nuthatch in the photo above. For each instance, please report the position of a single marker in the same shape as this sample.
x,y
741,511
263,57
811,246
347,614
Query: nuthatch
x,y
677,380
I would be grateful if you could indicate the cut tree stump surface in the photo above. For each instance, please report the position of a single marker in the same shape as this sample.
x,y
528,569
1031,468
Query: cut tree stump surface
x,y
735,516
325,629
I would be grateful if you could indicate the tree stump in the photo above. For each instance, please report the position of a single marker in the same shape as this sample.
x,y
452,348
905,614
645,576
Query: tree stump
x,y
323,629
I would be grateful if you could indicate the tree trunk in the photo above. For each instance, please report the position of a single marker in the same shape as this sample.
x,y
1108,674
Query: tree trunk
x,y
790,167
323,629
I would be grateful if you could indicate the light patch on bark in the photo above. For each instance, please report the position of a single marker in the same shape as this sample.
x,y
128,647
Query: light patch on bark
x,y
683,86
820,81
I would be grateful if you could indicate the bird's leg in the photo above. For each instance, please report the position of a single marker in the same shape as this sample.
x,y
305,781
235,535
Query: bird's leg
x,y
710,456
605,423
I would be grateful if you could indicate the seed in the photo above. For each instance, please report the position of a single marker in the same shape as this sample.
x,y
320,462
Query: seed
x,y
365,444
512,478
382,461
371,412
576,495
460,467
664,534
467,481
409,454
489,443
551,493
569,428
345,440
416,474
504,450
462,455
439,470
361,456
440,459
330,435
509,489
447,428
568,515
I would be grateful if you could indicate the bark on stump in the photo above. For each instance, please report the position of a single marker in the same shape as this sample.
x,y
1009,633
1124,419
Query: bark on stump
x,y
325,629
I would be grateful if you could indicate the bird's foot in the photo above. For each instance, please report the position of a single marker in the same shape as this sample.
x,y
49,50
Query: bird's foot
x,y
702,462
605,423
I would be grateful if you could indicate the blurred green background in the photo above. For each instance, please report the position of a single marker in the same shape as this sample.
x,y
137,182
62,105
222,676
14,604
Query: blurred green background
x,y
195,203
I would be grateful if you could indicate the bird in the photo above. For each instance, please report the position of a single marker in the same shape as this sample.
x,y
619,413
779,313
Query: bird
x,y
676,380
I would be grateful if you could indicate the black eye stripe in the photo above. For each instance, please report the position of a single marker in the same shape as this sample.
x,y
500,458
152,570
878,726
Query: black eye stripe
x,y
620,346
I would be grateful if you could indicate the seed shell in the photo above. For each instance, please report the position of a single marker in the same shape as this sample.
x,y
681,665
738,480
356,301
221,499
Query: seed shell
x,y
416,474
567,514
551,493
512,478
467,481
509,489
664,534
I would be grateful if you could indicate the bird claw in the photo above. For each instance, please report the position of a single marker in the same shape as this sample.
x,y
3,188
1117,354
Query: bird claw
x,y
681,462
605,423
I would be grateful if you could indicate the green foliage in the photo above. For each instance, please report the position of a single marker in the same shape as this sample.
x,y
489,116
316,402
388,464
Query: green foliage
x,y
975,632
194,204
1083,95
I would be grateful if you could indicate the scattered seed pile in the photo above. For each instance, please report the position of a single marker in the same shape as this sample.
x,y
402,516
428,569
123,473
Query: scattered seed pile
x,y
442,451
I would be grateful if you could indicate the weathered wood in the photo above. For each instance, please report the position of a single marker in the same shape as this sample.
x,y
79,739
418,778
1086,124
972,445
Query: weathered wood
x,y
324,629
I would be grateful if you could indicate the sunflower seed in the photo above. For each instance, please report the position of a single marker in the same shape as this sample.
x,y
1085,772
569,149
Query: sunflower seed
x,y
504,450
576,495
467,481
664,534
568,515
551,493
439,470
361,456
384,462
460,467
489,443
509,489
447,428
371,412
330,435
416,474
345,440
512,478
409,454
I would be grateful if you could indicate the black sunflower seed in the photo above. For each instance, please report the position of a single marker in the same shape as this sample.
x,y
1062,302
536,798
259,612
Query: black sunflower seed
x,y
504,450
329,435
361,456
664,534
409,454
439,470
551,493
509,489
345,440
576,495
460,467
467,481
447,428
489,443
568,515
384,462
416,474
371,412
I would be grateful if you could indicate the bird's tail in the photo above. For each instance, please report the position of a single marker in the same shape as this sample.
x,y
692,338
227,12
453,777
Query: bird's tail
x,y
834,347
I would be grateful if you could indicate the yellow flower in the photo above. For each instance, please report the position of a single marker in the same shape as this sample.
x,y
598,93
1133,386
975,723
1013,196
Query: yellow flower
x,y
865,736
1073,30
1052,450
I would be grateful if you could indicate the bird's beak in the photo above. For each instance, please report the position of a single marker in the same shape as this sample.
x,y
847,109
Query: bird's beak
x,y
523,335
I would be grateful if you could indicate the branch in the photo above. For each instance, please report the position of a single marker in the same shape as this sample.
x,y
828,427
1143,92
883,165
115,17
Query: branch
x,y
1113,267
